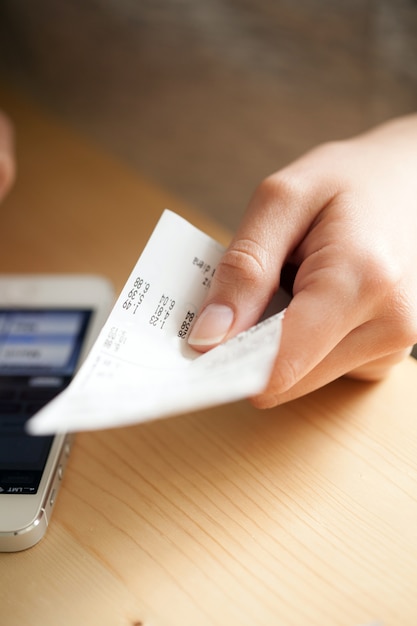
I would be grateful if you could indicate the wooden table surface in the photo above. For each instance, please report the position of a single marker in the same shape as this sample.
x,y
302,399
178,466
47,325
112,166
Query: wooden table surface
x,y
301,515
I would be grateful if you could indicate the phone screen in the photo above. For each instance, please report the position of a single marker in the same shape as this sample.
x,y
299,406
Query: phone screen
x,y
39,352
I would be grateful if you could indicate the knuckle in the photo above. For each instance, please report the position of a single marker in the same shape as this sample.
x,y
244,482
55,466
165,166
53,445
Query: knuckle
x,y
377,274
403,322
245,262
392,299
285,187
284,376
383,275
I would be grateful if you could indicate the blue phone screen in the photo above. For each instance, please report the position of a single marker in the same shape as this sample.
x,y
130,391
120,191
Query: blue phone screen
x,y
39,352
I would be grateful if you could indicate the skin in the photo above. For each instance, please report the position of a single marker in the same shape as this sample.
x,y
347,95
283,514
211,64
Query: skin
x,y
345,214
7,160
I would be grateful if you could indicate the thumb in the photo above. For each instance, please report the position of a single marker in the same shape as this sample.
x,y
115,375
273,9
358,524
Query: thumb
x,y
248,274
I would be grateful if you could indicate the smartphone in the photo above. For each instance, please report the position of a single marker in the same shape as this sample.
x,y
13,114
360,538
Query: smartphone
x,y
48,324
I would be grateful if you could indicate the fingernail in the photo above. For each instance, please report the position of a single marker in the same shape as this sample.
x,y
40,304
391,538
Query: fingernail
x,y
211,326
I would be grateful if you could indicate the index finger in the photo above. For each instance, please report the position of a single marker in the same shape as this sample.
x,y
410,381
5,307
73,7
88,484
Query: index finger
x,y
278,218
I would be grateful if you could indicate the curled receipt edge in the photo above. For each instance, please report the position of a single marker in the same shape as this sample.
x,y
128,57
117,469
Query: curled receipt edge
x,y
141,366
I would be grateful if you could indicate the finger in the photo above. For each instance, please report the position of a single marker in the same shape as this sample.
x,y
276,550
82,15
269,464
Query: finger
x,y
7,162
248,275
361,365
379,368
316,321
328,371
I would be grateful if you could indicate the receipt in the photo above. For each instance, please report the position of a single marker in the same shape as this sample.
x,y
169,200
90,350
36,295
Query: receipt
x,y
141,366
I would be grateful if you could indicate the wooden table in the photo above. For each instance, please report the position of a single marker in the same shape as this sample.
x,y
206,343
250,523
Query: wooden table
x,y
301,515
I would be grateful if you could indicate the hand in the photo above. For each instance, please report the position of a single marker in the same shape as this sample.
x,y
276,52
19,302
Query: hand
x,y
7,163
346,215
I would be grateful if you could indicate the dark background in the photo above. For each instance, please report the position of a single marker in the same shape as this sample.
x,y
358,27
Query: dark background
x,y
207,97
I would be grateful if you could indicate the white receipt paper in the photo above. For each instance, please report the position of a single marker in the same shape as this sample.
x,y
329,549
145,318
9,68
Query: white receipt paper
x,y
141,366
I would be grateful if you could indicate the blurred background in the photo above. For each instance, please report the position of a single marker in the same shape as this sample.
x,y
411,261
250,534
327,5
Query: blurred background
x,y
207,97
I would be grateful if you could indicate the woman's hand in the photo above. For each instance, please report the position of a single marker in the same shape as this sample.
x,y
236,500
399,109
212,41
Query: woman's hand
x,y
346,215
7,162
